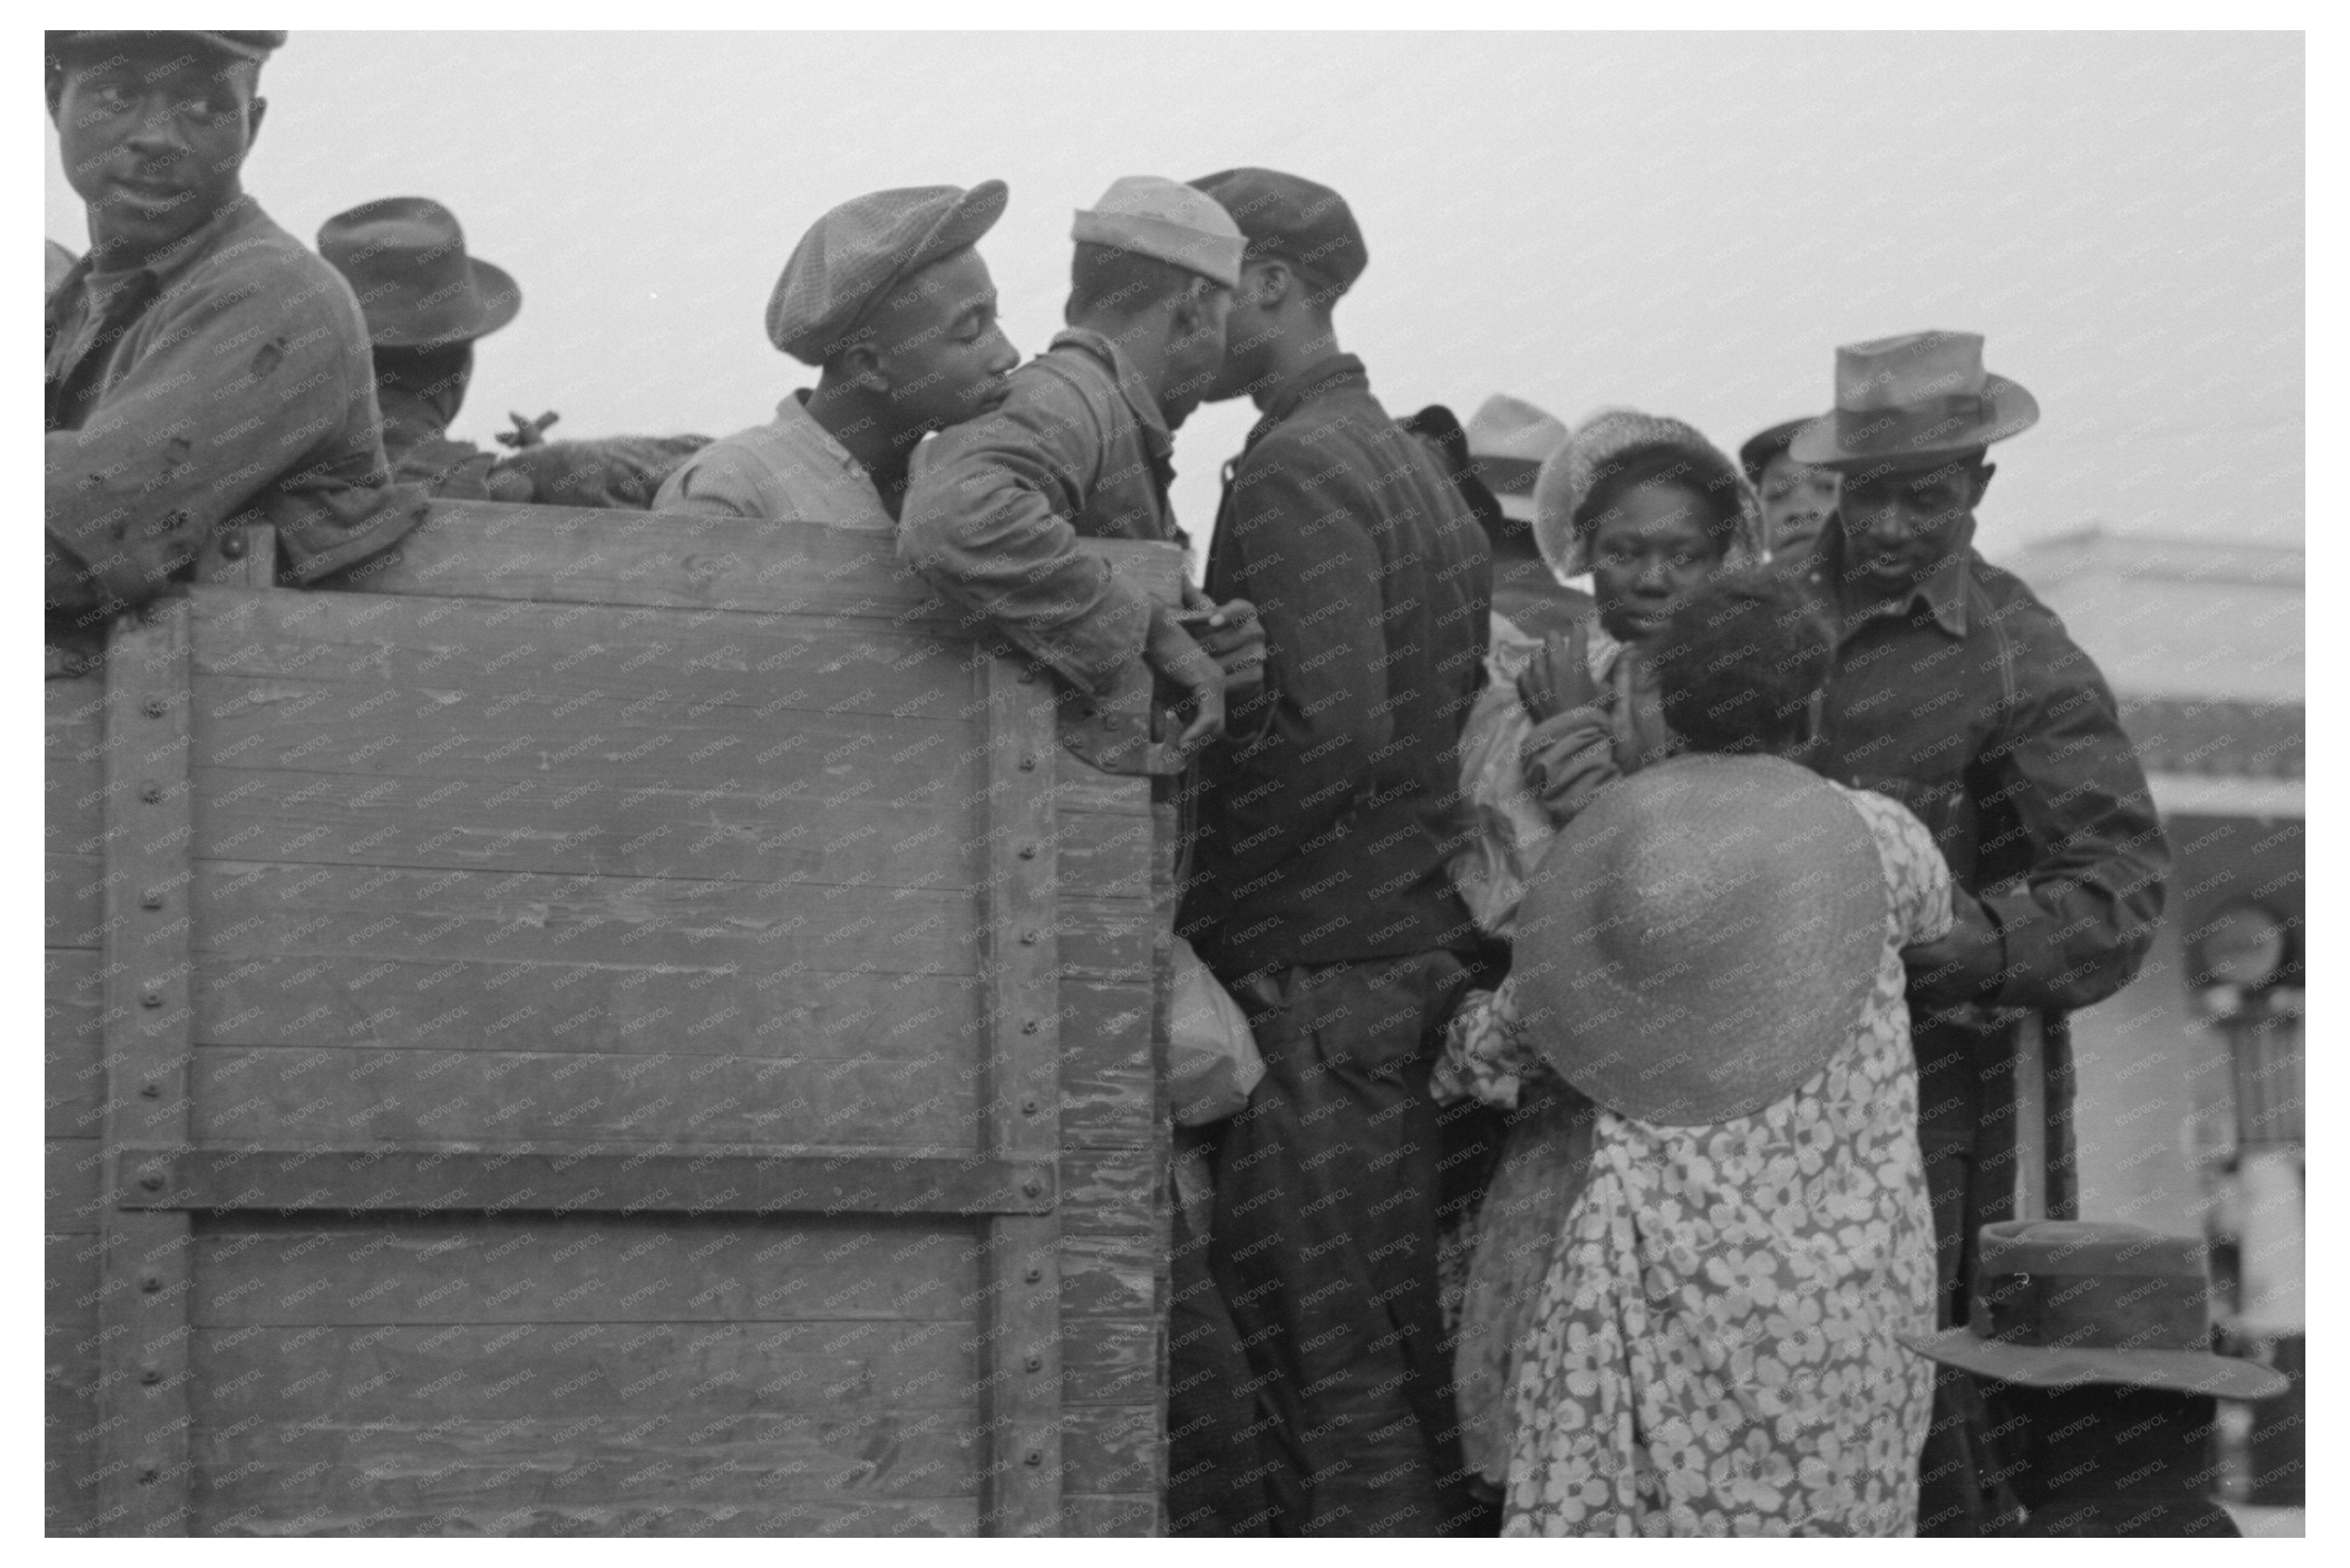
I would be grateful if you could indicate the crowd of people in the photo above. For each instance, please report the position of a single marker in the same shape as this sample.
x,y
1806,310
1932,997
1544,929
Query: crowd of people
x,y
1634,866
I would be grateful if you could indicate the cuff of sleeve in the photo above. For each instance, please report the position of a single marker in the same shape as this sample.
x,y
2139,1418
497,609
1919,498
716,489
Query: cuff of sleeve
x,y
1995,965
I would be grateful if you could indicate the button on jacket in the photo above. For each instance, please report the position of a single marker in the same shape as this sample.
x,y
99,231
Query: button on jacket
x,y
1969,703
790,467
225,383
1077,448
1323,835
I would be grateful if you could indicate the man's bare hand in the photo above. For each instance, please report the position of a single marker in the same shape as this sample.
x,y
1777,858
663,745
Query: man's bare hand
x,y
1234,635
1963,964
1170,651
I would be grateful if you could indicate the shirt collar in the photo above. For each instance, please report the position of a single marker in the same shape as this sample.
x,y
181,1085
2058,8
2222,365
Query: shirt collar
x,y
1325,375
793,414
1941,597
1130,385
102,290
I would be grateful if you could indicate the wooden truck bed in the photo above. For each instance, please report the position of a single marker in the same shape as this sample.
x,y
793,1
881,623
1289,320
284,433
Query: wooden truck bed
x,y
612,1023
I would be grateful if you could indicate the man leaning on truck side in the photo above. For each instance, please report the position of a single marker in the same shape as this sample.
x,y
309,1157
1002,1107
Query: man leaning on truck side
x,y
203,368
888,296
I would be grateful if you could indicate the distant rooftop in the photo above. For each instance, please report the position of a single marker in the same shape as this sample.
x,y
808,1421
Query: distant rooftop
x,y
2177,620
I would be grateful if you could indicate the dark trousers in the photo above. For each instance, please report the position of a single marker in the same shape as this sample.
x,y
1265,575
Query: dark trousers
x,y
1967,1133
1325,1245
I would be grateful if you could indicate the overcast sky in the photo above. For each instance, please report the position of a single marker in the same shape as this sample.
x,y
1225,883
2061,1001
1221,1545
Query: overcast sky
x,y
1683,222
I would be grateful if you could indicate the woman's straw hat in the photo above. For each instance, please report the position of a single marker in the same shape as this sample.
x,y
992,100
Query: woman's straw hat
x,y
1703,937
1568,474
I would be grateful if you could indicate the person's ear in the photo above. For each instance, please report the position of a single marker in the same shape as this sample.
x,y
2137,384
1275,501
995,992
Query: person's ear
x,y
1274,283
1983,471
252,120
861,366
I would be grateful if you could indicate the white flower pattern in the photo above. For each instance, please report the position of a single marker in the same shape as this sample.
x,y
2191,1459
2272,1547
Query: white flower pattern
x,y
1712,1350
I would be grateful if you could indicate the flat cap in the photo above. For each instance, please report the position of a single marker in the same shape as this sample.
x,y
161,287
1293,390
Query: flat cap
x,y
846,263
1307,226
244,46
1156,218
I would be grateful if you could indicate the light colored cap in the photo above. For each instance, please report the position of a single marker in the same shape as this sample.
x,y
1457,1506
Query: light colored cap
x,y
1168,220
1508,441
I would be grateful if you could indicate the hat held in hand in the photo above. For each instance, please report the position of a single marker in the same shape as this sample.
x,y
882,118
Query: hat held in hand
x,y
2060,1302
1703,937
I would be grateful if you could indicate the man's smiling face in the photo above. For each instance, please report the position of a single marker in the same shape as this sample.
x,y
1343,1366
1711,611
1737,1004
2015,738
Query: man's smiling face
x,y
153,133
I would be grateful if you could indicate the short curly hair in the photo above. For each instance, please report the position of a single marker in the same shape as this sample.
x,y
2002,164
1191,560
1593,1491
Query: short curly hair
x,y
1740,661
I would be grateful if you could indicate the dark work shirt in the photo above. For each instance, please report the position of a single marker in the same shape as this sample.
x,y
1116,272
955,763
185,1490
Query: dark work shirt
x,y
1326,823
1966,701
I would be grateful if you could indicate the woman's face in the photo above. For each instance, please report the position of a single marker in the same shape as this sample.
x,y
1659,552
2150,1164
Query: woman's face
x,y
1647,552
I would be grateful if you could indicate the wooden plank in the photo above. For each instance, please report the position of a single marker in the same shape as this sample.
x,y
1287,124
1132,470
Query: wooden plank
x,y
73,902
1079,788
458,662
1101,1517
625,1370
572,820
562,1181
74,1173
344,1096
73,1061
1111,1361
142,1386
1111,1276
1105,939
1107,1093
1110,1191
1020,1480
356,914
74,776
1103,854
562,554
566,1518
634,1010
1111,1448
70,1385
350,1463
529,1269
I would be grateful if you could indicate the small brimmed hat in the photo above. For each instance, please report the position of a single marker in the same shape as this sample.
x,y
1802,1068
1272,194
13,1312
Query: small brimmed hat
x,y
2058,1304
1568,475
852,257
1509,440
245,45
405,258
1703,937
1166,221
1918,395
1307,224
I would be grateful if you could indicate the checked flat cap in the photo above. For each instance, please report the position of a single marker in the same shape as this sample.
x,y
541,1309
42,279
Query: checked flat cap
x,y
847,262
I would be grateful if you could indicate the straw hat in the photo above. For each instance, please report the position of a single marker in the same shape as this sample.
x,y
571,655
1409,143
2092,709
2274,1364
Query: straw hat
x,y
1703,937
1568,474
2058,1304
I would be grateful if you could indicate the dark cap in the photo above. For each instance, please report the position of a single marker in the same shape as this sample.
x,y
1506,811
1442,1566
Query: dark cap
x,y
1762,447
1305,224
253,46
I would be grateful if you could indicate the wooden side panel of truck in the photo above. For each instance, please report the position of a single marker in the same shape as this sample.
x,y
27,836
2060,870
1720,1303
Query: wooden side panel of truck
x,y
605,1024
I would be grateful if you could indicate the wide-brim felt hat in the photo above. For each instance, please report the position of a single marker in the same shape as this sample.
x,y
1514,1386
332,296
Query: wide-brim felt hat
x,y
404,257
1911,398
2060,1304
1700,941
1567,476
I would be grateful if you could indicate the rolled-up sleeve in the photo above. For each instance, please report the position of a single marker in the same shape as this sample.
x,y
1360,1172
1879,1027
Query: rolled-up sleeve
x,y
986,522
2077,927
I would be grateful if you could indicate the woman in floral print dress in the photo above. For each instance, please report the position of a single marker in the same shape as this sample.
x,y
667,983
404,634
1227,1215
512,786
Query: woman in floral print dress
x,y
1711,1348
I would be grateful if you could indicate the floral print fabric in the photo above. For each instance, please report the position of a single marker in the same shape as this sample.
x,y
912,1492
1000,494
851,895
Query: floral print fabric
x,y
1710,1350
